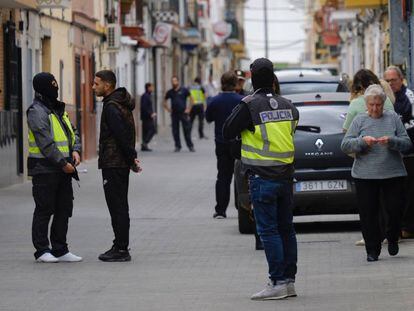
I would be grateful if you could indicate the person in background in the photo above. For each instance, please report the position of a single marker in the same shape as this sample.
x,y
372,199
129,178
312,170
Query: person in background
x,y
211,89
362,79
179,111
147,117
404,97
377,138
404,101
218,111
198,103
388,91
117,156
54,152
241,79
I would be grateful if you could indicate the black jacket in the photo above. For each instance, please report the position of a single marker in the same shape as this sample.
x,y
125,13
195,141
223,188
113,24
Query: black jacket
x,y
39,123
402,105
117,134
146,106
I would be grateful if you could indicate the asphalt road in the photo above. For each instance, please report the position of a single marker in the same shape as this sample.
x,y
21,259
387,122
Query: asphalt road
x,y
183,259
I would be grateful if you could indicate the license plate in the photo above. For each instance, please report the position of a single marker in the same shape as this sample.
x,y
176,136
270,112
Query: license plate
x,y
321,185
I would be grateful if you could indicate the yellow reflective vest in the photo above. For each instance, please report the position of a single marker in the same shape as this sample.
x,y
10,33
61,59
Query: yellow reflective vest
x,y
197,94
63,143
274,119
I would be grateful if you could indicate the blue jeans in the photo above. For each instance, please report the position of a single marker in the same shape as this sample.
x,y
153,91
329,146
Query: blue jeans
x,y
272,205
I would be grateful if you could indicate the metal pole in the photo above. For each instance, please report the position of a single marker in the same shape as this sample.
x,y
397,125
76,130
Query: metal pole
x,y
265,29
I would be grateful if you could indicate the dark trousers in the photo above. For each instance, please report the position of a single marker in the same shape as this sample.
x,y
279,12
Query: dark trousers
x,y
53,195
148,131
198,111
225,168
369,194
408,216
115,183
272,206
176,118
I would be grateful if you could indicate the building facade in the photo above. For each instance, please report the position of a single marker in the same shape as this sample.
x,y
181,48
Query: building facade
x,y
141,41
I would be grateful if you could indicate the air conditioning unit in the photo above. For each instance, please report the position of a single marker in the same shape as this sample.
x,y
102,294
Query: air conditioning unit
x,y
113,36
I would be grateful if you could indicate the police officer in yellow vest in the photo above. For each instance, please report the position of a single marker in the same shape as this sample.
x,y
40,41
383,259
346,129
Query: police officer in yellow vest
x,y
266,123
198,105
54,152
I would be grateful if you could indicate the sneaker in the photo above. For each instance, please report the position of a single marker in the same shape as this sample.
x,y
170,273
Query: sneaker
x,y
272,292
291,292
177,149
47,257
219,216
191,149
393,248
360,243
372,257
115,255
69,257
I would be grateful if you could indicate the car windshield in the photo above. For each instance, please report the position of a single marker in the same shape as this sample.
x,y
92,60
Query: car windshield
x,y
328,117
308,87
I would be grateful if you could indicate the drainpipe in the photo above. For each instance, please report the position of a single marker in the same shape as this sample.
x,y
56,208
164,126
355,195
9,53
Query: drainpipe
x,y
24,86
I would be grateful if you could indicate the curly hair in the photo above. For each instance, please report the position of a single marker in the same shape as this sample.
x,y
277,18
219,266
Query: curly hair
x,y
362,79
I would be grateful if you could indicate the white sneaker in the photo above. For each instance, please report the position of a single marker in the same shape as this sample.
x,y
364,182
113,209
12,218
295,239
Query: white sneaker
x,y
360,243
69,257
47,257
291,292
271,292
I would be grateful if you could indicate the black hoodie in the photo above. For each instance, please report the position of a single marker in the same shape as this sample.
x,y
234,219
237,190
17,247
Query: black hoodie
x,y
117,134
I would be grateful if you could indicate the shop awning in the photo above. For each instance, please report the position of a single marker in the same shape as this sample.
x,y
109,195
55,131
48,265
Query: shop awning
x,y
134,32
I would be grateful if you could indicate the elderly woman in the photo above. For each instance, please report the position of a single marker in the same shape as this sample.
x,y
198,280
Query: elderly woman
x,y
377,138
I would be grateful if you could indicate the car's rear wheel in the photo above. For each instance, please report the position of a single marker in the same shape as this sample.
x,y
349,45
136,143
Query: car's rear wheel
x,y
245,222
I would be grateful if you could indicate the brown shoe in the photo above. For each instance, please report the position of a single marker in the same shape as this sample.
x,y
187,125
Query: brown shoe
x,y
407,234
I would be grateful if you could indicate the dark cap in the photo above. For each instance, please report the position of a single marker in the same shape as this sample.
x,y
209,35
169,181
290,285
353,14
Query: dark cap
x,y
261,64
262,73
240,74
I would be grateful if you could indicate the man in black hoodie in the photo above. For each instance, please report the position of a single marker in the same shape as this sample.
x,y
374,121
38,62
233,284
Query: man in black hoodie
x,y
117,156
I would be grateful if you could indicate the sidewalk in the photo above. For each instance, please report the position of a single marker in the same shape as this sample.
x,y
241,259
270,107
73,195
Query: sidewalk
x,y
183,259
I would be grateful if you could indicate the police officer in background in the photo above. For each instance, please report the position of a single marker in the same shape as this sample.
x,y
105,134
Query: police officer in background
x,y
198,105
266,122
54,152
241,79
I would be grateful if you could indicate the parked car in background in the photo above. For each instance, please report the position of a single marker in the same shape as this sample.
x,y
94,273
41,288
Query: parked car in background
x,y
322,179
295,81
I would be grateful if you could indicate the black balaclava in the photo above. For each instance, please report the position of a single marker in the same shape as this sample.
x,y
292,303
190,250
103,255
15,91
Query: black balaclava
x,y
45,84
262,73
